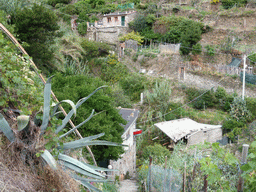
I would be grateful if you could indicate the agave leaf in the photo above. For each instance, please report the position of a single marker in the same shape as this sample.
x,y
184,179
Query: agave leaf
x,y
80,143
90,180
100,168
79,170
49,159
23,121
71,112
78,164
6,129
47,99
81,101
70,131
64,101
89,186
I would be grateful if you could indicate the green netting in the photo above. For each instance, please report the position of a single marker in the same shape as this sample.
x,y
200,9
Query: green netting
x,y
126,6
249,78
235,62
164,180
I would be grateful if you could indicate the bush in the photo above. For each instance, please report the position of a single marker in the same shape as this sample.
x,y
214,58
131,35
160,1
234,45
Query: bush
x,y
82,28
251,106
239,110
206,100
210,50
109,121
252,58
227,4
133,85
112,70
134,36
54,2
94,49
158,152
196,49
37,26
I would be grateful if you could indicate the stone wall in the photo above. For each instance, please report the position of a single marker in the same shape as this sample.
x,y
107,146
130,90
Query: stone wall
x,y
212,135
108,34
124,165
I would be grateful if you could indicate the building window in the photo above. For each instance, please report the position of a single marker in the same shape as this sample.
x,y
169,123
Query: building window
x,y
116,19
109,19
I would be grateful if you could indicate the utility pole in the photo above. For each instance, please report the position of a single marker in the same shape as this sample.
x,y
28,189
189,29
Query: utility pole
x,y
244,77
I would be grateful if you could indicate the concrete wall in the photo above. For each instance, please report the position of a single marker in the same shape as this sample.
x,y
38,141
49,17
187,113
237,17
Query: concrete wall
x,y
212,135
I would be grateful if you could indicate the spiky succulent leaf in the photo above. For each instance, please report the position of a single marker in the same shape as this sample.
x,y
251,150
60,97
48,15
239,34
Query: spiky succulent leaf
x,y
78,164
71,112
90,180
80,143
47,99
81,101
89,186
49,159
6,129
79,170
71,103
70,131
23,121
100,168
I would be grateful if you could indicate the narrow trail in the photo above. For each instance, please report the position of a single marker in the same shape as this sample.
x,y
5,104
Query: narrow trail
x,y
128,185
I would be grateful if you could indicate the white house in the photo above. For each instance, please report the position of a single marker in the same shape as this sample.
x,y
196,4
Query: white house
x,y
127,163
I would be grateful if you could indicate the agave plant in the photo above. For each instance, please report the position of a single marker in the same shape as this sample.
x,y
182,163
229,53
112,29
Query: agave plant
x,y
26,125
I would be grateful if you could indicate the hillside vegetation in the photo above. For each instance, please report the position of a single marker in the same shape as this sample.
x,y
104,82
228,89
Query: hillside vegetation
x,y
210,33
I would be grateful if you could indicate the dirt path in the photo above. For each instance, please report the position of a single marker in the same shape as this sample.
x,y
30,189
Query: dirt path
x,y
128,185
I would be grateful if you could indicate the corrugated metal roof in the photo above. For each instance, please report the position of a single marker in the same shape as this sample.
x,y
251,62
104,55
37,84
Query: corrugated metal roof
x,y
177,129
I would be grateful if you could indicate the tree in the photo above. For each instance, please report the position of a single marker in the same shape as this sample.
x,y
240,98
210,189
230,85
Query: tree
x,y
37,26
108,120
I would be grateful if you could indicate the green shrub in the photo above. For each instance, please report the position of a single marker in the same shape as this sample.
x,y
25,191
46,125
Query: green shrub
x,y
196,49
112,70
210,50
82,28
159,97
37,26
54,2
133,85
108,120
157,152
239,110
251,106
227,4
208,99
252,58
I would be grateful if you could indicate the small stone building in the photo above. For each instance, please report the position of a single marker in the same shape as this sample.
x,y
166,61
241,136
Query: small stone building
x,y
110,28
191,131
127,162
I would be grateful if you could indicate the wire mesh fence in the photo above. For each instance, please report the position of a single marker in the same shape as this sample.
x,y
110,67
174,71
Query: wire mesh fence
x,y
163,180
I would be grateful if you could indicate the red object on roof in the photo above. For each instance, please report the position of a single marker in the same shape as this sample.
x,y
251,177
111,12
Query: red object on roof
x,y
137,132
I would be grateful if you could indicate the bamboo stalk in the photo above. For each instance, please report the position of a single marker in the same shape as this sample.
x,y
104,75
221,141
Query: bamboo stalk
x,y
15,42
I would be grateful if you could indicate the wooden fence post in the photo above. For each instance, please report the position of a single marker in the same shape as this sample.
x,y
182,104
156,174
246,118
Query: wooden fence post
x,y
184,178
205,183
165,166
243,161
149,173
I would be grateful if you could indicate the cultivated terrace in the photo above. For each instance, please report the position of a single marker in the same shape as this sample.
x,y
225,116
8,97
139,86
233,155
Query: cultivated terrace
x,y
184,68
